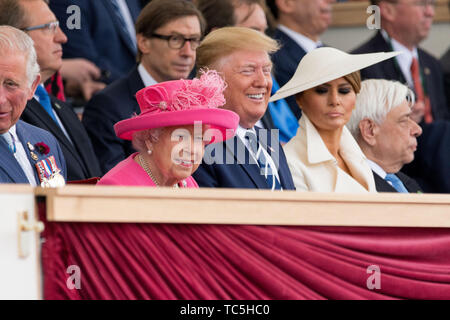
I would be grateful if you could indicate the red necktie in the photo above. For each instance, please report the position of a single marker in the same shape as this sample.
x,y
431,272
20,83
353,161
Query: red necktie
x,y
420,95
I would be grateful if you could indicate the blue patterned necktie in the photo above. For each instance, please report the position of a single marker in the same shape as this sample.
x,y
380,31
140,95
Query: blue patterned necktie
x,y
396,183
9,141
44,100
123,25
266,169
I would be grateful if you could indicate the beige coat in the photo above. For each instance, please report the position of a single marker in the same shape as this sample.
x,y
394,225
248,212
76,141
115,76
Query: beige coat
x,y
313,167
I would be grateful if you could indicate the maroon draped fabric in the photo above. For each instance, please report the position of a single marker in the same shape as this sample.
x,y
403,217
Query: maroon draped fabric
x,y
163,261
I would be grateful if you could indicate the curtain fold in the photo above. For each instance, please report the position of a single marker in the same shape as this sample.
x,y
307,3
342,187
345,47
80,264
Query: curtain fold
x,y
176,261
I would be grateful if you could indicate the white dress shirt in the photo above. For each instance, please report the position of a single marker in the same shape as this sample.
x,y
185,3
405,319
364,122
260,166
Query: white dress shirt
x,y
22,158
404,60
240,132
379,171
145,76
306,43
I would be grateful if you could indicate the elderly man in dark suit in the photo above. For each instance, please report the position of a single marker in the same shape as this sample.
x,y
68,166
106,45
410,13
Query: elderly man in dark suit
x,y
405,24
381,124
105,36
168,32
301,23
27,154
254,157
45,111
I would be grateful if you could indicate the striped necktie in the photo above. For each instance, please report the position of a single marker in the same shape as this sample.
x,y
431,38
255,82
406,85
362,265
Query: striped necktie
x,y
266,169
396,183
9,141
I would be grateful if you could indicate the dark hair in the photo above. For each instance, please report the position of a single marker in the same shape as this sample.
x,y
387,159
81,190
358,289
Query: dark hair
x,y
220,13
12,14
158,13
273,8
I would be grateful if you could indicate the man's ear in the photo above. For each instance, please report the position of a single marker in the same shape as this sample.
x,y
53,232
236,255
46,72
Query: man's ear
x,y
369,131
285,6
388,10
34,86
143,43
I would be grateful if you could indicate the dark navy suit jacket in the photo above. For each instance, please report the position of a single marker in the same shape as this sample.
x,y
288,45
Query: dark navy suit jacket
x,y
114,103
10,169
79,154
231,173
285,62
384,186
431,164
99,39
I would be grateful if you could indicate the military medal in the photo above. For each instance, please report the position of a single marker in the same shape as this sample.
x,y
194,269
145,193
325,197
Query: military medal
x,y
33,156
49,173
30,146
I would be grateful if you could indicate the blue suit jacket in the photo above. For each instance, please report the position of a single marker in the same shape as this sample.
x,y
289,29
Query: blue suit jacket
x,y
100,39
116,102
232,174
285,62
10,169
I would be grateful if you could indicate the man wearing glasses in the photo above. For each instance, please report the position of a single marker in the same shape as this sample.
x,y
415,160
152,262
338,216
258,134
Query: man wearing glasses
x,y
168,32
45,111
405,24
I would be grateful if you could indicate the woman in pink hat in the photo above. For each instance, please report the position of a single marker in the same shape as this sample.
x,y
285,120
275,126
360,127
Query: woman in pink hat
x,y
178,118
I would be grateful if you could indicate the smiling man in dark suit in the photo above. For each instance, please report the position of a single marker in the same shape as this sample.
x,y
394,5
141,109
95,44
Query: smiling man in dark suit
x,y
168,32
45,111
253,158
381,124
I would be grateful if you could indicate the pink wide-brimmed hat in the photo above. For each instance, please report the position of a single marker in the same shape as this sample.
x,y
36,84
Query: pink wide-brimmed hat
x,y
183,102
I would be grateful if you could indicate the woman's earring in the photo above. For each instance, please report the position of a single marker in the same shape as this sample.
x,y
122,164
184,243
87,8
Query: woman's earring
x,y
149,152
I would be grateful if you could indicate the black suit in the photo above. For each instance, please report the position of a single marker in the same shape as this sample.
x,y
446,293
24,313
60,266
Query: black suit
x,y
80,157
383,186
285,62
431,164
116,102
232,172
388,69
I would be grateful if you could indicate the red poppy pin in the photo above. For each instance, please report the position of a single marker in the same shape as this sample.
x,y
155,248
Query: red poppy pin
x,y
42,148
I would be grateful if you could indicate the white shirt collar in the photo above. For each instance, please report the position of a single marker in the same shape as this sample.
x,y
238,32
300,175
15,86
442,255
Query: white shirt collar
x,y
376,168
145,76
306,43
404,60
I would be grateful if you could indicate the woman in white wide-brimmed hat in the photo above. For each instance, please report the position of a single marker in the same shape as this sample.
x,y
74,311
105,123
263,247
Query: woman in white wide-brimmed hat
x,y
323,156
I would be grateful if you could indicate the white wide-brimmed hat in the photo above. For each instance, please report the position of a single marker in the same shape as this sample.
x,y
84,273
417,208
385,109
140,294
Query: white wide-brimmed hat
x,y
326,64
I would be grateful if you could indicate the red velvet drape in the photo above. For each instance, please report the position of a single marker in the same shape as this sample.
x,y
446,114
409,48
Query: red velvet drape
x,y
162,261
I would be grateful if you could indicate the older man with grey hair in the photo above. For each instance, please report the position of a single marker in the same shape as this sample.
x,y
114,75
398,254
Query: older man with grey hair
x,y
27,154
382,125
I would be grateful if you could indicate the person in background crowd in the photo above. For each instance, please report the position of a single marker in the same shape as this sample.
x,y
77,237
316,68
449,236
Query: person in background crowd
x,y
168,32
381,124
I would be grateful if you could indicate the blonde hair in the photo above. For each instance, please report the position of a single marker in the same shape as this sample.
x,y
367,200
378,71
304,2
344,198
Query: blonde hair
x,y
224,41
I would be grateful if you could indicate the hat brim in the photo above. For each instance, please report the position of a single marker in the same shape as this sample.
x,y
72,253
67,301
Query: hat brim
x,y
348,64
223,123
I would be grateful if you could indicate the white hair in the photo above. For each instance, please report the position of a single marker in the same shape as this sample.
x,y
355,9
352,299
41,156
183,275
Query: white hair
x,y
139,138
375,100
17,41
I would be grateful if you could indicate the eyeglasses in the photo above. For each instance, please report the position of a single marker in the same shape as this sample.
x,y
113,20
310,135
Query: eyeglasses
x,y
418,3
177,41
51,27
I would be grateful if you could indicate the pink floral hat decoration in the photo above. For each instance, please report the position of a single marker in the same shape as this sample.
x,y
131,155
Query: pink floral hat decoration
x,y
183,102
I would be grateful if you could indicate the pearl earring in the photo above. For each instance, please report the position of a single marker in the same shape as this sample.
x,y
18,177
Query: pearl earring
x,y
149,152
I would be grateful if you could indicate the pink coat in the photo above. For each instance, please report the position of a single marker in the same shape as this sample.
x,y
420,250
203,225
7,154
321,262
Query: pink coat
x,y
129,173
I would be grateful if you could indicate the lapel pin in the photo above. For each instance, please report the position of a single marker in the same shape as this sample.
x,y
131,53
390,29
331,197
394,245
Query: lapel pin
x,y
427,71
57,105
30,146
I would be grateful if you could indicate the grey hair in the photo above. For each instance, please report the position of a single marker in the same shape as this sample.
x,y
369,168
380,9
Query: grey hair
x,y
375,100
17,41
139,138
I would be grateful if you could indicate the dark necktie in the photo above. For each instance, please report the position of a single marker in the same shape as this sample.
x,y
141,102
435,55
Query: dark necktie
x,y
266,169
396,183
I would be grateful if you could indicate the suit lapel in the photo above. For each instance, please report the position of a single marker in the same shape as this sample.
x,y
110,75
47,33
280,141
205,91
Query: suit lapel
x,y
390,67
252,170
24,138
10,165
117,24
135,84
